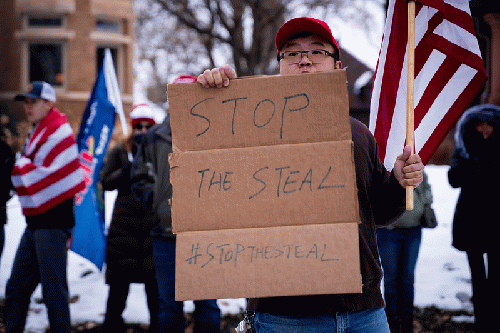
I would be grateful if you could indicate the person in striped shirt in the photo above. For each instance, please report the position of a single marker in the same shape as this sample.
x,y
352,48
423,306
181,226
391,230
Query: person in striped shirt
x,y
46,178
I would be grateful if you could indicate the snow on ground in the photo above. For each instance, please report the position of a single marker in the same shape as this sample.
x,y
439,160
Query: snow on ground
x,y
442,273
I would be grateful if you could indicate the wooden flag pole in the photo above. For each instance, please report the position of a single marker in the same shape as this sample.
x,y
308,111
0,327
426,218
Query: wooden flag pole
x,y
410,135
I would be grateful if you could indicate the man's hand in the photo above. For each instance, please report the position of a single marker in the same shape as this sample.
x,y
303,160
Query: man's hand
x,y
408,168
218,77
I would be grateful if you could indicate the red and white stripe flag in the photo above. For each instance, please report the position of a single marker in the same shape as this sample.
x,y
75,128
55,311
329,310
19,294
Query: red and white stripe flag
x,y
449,72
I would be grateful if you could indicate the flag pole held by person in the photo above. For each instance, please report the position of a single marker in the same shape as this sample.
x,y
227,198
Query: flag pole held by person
x,y
448,74
410,123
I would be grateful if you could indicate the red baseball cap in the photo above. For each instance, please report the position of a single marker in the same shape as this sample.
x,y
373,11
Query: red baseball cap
x,y
303,24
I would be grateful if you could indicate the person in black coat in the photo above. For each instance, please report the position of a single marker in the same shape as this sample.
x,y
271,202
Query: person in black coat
x,y
129,252
8,159
474,168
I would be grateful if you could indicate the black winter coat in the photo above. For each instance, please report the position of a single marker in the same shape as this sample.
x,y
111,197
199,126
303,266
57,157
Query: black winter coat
x,y
8,159
474,168
129,252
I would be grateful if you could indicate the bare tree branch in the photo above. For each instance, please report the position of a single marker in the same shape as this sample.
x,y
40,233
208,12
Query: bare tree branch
x,y
199,34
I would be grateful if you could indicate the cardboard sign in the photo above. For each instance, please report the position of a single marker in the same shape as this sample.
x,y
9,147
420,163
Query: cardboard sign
x,y
298,260
263,186
260,111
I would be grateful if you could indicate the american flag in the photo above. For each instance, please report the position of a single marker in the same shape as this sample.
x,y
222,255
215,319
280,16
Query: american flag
x,y
49,171
449,72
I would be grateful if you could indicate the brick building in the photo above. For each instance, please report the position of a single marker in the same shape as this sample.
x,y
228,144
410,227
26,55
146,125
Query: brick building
x,y
62,42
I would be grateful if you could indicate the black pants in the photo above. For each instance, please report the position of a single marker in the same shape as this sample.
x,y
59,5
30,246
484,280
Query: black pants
x,y
117,301
485,288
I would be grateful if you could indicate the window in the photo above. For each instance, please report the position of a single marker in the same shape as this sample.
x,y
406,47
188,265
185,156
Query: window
x,y
45,22
109,34
108,26
45,63
43,38
100,57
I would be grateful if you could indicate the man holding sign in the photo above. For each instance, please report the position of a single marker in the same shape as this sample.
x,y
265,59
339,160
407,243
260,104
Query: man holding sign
x,y
306,45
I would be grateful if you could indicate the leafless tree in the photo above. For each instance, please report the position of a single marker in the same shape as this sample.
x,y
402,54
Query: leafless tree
x,y
197,34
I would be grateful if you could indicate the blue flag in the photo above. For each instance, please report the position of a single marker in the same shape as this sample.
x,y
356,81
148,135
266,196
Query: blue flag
x,y
97,124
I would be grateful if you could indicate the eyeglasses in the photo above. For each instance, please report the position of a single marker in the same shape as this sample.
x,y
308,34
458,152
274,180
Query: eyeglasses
x,y
316,56
142,126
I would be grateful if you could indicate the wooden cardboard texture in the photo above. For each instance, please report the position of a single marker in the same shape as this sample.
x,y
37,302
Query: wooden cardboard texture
x,y
260,111
264,262
264,188
269,186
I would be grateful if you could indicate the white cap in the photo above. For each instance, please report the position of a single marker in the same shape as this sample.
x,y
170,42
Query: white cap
x,y
38,89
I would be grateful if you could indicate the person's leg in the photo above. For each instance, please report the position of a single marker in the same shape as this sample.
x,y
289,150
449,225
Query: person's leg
x,y
367,321
206,316
2,239
493,284
152,298
23,280
171,312
406,294
389,247
493,258
117,301
52,255
479,289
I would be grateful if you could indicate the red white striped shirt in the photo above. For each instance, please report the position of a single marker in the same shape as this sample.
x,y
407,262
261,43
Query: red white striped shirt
x,y
48,172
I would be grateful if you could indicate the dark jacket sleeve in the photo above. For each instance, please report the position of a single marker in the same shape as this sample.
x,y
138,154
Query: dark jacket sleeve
x,y
142,173
115,173
455,172
381,198
8,159
391,201
462,171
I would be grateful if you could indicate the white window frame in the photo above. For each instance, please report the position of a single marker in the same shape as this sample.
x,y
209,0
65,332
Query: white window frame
x,y
26,60
119,70
118,22
43,35
117,40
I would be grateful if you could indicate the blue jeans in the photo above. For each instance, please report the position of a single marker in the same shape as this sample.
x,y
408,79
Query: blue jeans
x,y
367,321
40,258
171,319
398,250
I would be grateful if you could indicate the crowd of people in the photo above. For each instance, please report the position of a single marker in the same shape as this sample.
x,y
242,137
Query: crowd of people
x,y
141,244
